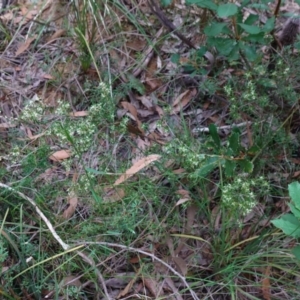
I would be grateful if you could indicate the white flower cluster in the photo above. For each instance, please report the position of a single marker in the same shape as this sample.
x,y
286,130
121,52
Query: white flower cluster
x,y
33,111
239,195
190,158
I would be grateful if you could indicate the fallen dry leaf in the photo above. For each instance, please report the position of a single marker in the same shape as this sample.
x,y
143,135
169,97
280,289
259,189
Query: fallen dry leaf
x,y
56,35
113,194
266,286
137,166
23,47
129,285
183,100
72,201
181,265
82,113
60,155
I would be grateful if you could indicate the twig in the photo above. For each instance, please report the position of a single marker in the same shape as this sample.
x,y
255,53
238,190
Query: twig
x,y
150,255
206,129
40,213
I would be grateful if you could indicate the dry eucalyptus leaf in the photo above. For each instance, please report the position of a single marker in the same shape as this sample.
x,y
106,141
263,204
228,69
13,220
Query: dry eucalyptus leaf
x,y
72,201
137,166
23,47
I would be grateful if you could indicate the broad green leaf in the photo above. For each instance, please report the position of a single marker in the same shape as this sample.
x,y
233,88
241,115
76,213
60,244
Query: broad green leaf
x,y
294,192
234,53
246,165
249,51
289,224
297,45
245,3
213,131
234,142
296,250
252,29
259,6
214,29
175,58
227,10
166,2
223,45
251,19
203,3
256,38
230,166
295,210
208,165
201,51
269,26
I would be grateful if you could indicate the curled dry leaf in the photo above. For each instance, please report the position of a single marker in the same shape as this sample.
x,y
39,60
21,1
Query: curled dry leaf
x,y
72,201
60,155
137,166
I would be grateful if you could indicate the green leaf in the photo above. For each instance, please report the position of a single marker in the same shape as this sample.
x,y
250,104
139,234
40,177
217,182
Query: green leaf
x,y
224,45
203,4
252,29
175,58
214,29
296,252
256,38
201,51
294,192
227,10
234,142
246,165
208,165
297,45
251,19
249,51
213,131
166,2
289,224
270,24
295,210
230,166
234,53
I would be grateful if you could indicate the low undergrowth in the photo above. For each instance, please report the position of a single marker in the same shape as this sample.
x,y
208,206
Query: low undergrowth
x,y
132,166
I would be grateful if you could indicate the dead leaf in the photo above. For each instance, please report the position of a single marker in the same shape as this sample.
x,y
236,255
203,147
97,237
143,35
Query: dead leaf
x,y
72,201
60,155
173,288
129,285
7,125
113,194
48,76
181,265
82,113
133,112
56,35
183,100
266,286
153,286
137,166
23,47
